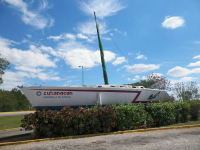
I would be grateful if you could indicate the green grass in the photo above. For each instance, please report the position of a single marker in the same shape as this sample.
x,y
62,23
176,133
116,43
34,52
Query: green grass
x,y
186,123
9,122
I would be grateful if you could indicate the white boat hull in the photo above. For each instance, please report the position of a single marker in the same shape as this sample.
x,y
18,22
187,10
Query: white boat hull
x,y
58,97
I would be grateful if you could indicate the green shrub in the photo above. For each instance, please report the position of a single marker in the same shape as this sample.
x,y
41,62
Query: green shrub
x,y
80,121
181,111
161,113
132,116
194,109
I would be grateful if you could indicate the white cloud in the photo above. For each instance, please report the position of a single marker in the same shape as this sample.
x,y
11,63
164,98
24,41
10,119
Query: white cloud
x,y
119,60
29,36
32,18
86,58
194,64
25,41
116,30
106,38
196,42
195,57
103,8
139,56
69,46
81,36
158,74
62,36
144,77
180,72
30,63
56,38
138,68
136,78
89,38
89,27
28,69
13,79
173,22
70,36
28,58
49,50
187,79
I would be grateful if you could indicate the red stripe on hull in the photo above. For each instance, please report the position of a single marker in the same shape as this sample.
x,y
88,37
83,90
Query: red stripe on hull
x,y
113,91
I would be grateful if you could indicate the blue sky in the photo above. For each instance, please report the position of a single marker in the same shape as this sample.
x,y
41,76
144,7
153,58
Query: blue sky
x,y
46,41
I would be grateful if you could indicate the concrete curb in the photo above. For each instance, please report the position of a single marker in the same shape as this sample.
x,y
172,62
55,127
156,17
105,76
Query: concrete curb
x,y
91,135
16,112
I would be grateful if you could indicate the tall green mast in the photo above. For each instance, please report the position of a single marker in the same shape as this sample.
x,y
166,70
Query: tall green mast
x,y
102,54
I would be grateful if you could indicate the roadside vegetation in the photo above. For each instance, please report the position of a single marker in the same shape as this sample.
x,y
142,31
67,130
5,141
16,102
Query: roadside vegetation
x,y
9,122
13,100
48,123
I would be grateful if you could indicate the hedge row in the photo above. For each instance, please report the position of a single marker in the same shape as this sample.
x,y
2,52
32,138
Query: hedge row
x,y
108,118
80,121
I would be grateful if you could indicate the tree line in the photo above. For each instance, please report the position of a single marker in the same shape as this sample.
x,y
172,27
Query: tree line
x,y
14,99
180,91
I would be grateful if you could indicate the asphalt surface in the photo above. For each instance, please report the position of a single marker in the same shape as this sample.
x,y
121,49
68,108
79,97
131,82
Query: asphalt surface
x,y
11,133
171,139
15,113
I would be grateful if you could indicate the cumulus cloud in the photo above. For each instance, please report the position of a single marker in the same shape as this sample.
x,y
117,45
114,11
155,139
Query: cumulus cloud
x,y
196,57
119,60
89,27
32,18
139,56
81,36
62,36
75,54
89,38
187,79
173,22
139,68
180,72
13,79
86,58
31,63
30,58
194,64
103,8
136,78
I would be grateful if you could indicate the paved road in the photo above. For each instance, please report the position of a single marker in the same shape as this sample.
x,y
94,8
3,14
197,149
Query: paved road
x,y
15,113
10,133
171,139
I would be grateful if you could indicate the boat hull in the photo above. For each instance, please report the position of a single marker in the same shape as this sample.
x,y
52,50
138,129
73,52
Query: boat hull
x,y
58,97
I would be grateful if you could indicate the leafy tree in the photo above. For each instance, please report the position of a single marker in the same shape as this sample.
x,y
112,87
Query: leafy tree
x,y
22,101
13,100
160,82
7,101
3,66
171,98
186,91
155,82
145,83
